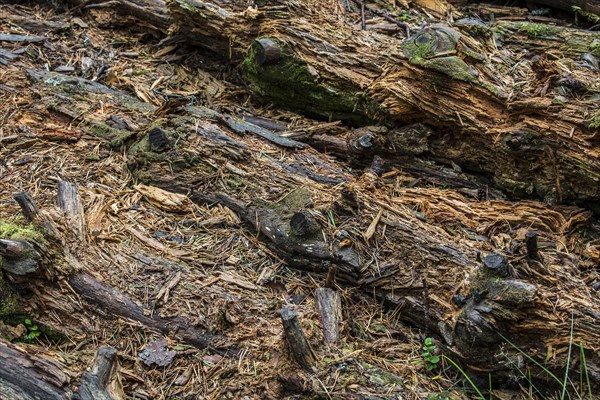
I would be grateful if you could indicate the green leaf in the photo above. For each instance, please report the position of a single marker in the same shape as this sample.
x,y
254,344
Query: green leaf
x,y
27,322
434,360
428,341
34,328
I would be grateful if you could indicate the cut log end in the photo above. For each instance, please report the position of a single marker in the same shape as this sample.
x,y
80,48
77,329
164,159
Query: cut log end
x,y
267,52
496,265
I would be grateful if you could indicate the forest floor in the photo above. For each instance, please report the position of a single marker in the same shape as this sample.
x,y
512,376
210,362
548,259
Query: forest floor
x,y
195,262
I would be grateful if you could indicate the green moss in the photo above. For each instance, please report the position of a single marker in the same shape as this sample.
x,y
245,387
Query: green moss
x,y
116,137
595,121
590,16
12,231
453,66
537,31
291,84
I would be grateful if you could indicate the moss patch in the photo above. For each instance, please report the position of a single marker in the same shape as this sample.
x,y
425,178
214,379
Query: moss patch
x,y
537,31
12,231
291,84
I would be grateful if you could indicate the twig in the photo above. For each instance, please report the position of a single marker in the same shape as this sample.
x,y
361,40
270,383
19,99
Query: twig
x,y
382,14
363,23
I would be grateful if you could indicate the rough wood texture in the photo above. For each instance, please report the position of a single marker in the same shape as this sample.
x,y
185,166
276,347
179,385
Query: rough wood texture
x,y
70,204
116,303
423,250
299,346
95,381
19,257
28,376
329,306
28,206
497,126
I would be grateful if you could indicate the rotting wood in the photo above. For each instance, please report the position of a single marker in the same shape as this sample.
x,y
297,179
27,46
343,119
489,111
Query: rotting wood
x,y
96,381
294,335
70,204
27,204
29,376
115,302
422,245
329,306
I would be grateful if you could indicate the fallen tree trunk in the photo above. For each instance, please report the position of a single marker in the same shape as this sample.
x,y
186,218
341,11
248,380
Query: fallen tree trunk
x,y
529,123
25,376
414,249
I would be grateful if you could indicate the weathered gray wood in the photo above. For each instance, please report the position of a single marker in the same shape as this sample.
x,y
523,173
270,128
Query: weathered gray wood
x,y
299,346
25,376
329,306
27,204
70,204
95,380
18,256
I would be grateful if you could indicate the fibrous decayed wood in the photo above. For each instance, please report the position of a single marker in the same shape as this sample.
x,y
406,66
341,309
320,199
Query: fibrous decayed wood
x,y
495,112
299,346
457,265
27,376
421,254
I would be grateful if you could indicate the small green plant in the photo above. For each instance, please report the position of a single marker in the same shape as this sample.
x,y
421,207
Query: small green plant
x,y
429,358
33,331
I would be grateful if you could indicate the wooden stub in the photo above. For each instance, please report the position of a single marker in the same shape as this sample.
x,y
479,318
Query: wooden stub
x,y
28,206
496,265
299,346
70,204
95,380
329,306
302,223
267,52
532,245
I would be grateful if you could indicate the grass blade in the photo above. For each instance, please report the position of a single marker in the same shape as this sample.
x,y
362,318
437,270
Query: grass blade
x,y
463,373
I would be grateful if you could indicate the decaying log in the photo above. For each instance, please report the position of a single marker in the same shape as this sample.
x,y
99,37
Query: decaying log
x,y
31,376
299,346
329,306
95,382
422,250
109,299
466,90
